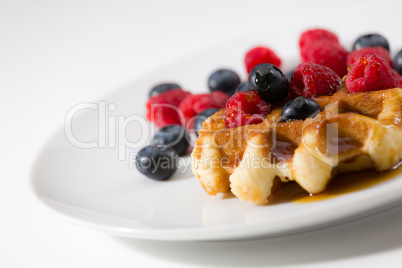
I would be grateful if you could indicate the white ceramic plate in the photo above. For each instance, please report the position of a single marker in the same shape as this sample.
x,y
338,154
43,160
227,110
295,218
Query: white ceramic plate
x,y
100,188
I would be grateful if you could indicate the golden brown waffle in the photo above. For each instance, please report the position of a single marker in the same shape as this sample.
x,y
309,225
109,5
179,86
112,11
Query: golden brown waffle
x,y
353,132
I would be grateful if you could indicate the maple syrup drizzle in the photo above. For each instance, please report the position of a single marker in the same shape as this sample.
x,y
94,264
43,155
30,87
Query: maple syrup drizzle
x,y
340,185
283,151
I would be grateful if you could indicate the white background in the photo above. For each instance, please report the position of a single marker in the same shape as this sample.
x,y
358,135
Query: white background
x,y
55,54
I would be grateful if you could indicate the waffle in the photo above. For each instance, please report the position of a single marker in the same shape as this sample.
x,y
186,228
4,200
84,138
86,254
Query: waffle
x,y
353,132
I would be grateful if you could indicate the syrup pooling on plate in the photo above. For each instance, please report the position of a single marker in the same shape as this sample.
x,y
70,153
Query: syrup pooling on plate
x,y
342,184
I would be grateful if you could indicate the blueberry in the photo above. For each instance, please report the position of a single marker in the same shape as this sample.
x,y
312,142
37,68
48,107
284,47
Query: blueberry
x,y
201,117
156,162
224,80
173,136
398,62
271,84
371,40
158,89
300,108
243,87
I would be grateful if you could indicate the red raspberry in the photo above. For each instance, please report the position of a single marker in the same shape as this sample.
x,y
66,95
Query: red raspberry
x,y
380,51
314,35
260,55
192,105
312,80
245,108
327,53
162,109
371,72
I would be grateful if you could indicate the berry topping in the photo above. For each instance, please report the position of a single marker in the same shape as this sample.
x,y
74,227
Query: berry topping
x,y
172,136
163,109
158,89
371,72
269,81
371,40
380,51
219,100
245,108
315,35
204,115
224,80
243,87
398,62
326,53
312,80
260,55
194,104
156,162
300,108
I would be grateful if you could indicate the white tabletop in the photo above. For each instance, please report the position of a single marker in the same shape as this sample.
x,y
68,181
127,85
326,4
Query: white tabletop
x,y
55,54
